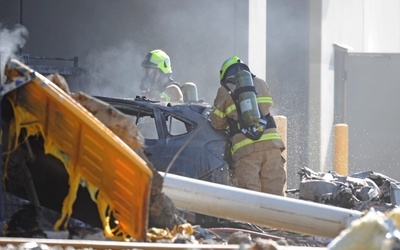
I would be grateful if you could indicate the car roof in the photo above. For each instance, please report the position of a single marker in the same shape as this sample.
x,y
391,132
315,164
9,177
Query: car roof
x,y
146,105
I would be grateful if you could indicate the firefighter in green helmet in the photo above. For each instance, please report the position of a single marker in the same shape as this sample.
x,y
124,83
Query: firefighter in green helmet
x,y
157,82
242,105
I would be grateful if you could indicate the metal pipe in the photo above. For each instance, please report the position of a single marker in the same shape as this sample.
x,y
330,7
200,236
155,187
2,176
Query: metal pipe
x,y
288,214
37,243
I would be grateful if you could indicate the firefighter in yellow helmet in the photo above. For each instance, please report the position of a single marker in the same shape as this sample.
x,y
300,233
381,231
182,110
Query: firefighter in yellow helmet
x,y
243,105
157,82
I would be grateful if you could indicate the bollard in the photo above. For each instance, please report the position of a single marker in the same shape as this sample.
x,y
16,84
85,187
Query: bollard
x,y
281,127
341,149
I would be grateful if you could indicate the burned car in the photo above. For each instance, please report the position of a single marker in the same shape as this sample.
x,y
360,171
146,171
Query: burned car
x,y
179,138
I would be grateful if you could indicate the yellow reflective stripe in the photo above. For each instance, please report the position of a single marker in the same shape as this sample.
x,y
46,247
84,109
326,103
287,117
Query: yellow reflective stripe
x,y
230,109
264,99
165,96
219,113
247,141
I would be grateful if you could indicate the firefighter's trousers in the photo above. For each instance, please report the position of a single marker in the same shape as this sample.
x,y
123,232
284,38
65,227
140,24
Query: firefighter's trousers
x,y
262,171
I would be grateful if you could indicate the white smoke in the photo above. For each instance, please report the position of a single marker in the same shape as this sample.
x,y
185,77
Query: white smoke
x,y
113,71
11,40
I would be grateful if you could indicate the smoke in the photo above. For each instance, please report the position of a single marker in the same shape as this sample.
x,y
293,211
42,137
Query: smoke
x,y
11,40
112,71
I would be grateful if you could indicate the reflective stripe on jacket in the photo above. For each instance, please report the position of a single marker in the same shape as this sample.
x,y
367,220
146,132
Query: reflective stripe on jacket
x,y
247,141
165,97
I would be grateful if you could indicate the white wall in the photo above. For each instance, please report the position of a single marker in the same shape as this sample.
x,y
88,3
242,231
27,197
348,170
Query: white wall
x,y
257,36
363,26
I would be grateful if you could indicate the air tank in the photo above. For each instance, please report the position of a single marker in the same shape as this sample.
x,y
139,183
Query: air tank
x,y
247,98
189,91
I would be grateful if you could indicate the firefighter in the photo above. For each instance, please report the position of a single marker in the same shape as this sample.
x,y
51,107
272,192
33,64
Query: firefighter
x,y
256,150
157,82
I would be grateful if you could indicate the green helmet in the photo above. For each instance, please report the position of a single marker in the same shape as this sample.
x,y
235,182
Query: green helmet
x,y
227,64
158,59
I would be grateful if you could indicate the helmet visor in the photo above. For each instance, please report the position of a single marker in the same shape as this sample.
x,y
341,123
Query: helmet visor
x,y
232,70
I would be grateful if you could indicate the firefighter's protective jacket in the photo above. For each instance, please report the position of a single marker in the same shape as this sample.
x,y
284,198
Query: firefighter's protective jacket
x,y
225,108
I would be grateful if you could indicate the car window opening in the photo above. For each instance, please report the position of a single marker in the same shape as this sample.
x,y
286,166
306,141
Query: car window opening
x,y
147,127
177,127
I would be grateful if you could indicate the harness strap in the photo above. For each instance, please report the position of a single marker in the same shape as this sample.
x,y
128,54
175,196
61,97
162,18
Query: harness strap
x,y
235,128
241,90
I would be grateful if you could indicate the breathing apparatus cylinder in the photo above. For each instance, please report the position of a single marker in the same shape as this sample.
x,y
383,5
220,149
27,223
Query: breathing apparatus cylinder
x,y
246,96
189,91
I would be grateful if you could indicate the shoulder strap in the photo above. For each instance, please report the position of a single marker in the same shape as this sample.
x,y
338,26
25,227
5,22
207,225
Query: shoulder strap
x,y
234,126
170,82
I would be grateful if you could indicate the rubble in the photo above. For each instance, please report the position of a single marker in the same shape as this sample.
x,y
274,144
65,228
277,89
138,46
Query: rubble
x,y
358,191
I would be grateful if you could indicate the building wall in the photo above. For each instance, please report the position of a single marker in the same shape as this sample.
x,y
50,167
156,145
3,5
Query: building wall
x,y
287,75
111,38
361,26
372,112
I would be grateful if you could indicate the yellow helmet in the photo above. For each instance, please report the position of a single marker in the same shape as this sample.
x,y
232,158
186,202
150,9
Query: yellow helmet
x,y
227,65
158,59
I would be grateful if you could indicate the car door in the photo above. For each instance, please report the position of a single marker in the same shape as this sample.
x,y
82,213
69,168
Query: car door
x,y
152,128
176,131
147,119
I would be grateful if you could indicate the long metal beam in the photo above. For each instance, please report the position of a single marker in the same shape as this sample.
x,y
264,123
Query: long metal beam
x,y
288,214
36,243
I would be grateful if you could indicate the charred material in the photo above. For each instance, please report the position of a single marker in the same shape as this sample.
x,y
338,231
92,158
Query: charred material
x,y
24,223
359,191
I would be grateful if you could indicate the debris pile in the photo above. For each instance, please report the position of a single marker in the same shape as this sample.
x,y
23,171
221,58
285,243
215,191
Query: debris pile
x,y
359,191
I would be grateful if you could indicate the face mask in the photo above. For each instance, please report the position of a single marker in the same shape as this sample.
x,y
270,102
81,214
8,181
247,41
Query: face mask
x,y
145,84
147,79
